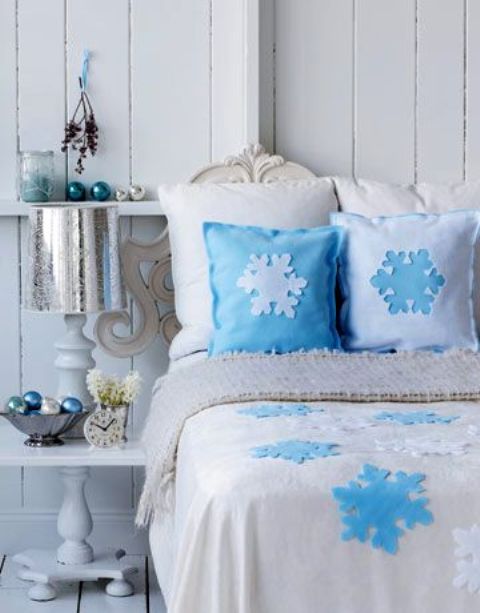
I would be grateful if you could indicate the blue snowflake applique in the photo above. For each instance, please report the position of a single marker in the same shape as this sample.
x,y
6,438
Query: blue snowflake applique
x,y
416,417
413,281
379,504
291,409
295,451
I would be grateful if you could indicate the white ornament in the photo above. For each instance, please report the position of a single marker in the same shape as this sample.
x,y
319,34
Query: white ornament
x,y
137,192
421,447
50,406
121,194
275,281
468,566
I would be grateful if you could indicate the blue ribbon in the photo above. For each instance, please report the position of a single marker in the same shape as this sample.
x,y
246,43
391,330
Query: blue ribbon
x,y
86,58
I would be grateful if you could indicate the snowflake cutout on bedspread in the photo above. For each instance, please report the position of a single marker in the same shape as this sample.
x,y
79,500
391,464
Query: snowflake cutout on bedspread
x,y
345,424
468,564
272,280
295,451
413,281
415,417
422,447
278,410
380,504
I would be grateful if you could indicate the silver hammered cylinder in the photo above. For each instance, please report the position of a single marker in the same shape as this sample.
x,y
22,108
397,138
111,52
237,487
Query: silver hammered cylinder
x,y
74,259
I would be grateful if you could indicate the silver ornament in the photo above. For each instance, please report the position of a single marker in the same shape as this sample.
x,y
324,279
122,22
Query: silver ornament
x,y
121,194
137,192
50,406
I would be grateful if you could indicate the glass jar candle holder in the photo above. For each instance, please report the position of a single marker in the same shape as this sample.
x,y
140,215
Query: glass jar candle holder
x,y
36,176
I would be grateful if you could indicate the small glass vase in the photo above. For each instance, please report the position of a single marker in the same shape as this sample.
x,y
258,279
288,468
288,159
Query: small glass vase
x,y
121,412
36,176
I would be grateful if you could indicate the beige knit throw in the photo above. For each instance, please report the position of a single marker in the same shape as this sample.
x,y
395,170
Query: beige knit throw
x,y
299,377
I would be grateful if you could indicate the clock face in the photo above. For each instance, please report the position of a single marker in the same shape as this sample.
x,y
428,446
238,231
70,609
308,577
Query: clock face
x,y
104,428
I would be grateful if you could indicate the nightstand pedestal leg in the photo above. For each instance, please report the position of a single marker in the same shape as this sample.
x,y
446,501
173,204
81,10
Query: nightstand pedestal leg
x,y
74,559
74,520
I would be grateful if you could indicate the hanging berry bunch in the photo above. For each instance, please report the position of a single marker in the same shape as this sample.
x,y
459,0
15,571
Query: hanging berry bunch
x,y
81,132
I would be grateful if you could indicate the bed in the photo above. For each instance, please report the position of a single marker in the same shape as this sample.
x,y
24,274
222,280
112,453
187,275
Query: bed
x,y
248,528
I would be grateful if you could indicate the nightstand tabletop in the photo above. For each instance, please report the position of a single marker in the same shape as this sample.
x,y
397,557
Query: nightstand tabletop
x,y
73,453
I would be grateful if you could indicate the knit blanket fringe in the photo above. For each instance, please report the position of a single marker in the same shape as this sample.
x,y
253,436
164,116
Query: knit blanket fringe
x,y
299,377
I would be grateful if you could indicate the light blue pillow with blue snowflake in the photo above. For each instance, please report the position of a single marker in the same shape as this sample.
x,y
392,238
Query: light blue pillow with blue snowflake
x,y
273,290
407,281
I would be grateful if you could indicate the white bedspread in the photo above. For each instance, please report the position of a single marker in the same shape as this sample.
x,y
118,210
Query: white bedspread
x,y
263,535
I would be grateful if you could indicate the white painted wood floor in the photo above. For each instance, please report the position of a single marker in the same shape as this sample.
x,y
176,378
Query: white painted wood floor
x,y
83,597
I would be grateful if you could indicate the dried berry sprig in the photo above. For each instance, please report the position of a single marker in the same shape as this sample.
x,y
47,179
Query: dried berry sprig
x,y
81,132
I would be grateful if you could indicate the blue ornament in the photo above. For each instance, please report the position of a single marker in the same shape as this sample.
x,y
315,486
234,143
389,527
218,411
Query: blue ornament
x,y
33,412
100,191
71,405
76,191
33,400
16,404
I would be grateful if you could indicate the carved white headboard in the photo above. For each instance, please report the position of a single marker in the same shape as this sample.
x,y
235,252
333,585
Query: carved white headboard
x,y
253,165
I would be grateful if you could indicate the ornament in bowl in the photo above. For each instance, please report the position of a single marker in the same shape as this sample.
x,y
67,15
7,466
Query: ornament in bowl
x,y
106,426
42,418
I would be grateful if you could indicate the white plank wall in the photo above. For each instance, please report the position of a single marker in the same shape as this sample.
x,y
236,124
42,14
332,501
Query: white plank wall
x,y
382,89
170,93
385,89
314,83
441,75
472,91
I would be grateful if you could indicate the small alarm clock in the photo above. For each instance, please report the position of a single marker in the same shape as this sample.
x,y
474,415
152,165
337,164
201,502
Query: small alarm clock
x,y
104,428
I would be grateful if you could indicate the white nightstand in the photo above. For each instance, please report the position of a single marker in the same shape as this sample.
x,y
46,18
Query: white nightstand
x,y
74,560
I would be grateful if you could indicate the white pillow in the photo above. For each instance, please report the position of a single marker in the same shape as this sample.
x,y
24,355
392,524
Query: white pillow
x,y
374,199
282,205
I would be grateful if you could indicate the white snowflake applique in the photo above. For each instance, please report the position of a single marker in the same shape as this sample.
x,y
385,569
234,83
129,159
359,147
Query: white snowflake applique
x,y
272,280
421,447
345,424
468,564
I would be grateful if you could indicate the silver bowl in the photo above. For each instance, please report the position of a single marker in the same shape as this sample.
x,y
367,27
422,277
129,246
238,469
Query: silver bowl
x,y
44,430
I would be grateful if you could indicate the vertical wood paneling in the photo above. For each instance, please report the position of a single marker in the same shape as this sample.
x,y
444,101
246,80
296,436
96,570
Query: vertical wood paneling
x,y
267,74
314,83
8,98
41,97
472,166
440,138
103,28
41,93
170,90
10,478
385,89
228,77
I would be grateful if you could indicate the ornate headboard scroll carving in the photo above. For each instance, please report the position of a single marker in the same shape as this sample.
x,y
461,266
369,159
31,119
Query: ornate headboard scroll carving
x,y
253,165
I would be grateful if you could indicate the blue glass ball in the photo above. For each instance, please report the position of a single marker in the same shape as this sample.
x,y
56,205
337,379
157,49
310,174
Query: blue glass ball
x,y
76,191
100,191
33,400
71,405
16,404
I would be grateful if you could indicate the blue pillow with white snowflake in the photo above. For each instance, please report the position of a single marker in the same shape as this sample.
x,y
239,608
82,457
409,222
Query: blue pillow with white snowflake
x,y
407,281
273,290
